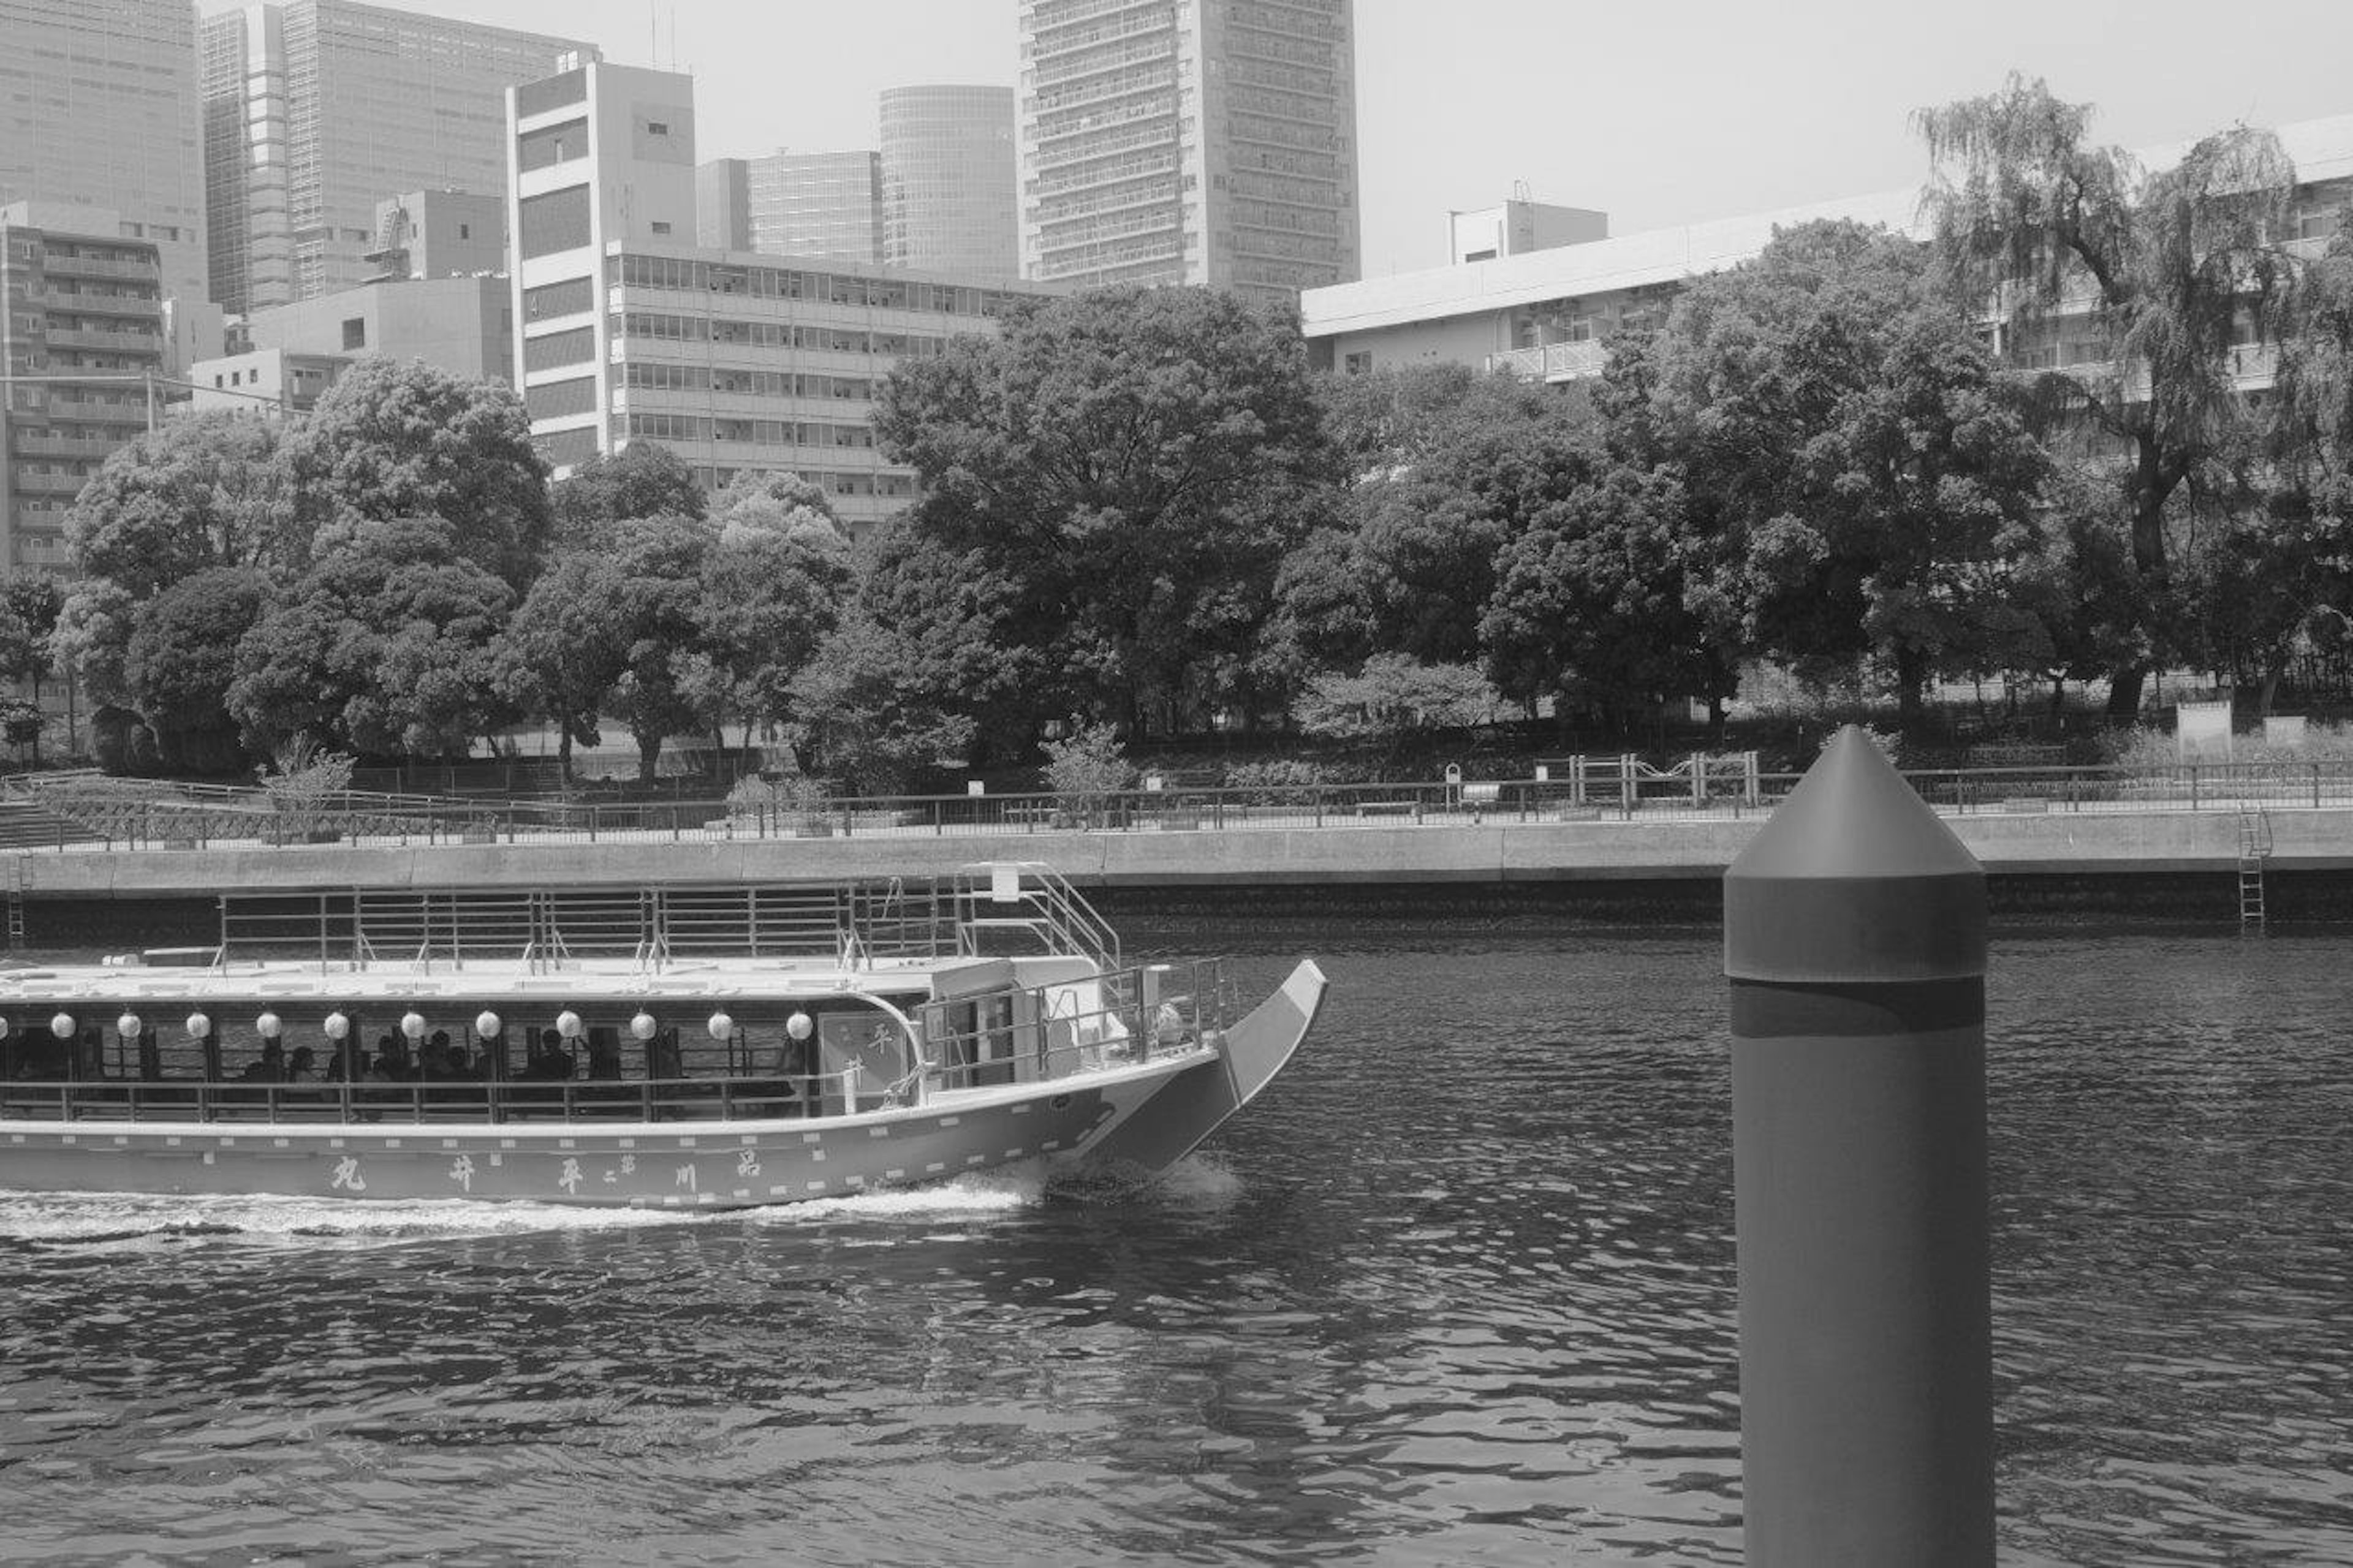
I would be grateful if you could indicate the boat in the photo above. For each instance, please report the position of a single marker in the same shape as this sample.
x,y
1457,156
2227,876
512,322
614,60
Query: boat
x,y
666,1047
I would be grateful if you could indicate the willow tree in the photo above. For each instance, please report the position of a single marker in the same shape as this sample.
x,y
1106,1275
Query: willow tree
x,y
2128,291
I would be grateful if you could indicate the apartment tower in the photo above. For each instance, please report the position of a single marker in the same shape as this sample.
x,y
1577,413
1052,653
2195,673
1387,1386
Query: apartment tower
x,y
82,323
1189,141
316,110
950,201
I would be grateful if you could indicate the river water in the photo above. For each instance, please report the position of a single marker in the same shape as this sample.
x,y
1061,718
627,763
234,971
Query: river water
x,y
1459,1290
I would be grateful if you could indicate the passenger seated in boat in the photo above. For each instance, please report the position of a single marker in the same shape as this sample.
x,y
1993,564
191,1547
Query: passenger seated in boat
x,y
437,1066
303,1066
268,1068
546,1058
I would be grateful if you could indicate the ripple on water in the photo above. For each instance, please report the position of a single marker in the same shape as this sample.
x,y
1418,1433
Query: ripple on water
x,y
1459,1290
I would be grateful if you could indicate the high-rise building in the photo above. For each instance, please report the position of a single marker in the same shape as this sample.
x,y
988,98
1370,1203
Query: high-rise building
x,y
315,110
826,207
82,324
97,109
949,197
1189,141
737,360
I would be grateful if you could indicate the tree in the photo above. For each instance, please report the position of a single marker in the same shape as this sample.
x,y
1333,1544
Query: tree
x,y
642,479
774,582
29,618
1861,481
182,661
863,720
1591,601
1132,464
1449,467
204,492
385,646
403,439
564,648
1393,697
2127,293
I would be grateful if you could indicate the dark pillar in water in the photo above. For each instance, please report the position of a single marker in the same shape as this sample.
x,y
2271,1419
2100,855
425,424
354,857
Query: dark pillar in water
x,y
1854,941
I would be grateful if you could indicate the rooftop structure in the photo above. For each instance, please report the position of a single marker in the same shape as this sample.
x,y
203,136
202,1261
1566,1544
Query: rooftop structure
x,y
827,207
439,234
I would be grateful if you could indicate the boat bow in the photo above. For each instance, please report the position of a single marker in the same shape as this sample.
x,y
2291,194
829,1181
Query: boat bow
x,y
1193,1104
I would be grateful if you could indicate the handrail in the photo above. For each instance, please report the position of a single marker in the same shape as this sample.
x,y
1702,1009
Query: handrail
x,y
169,817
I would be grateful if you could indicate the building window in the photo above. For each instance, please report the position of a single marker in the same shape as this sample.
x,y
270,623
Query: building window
x,y
355,332
465,231
568,297
553,222
660,227
657,127
1358,363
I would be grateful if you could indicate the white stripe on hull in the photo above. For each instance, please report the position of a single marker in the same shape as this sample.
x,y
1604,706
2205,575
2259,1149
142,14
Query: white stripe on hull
x,y
666,1165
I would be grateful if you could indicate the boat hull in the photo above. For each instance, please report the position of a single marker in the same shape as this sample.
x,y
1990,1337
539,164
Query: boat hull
x,y
634,1163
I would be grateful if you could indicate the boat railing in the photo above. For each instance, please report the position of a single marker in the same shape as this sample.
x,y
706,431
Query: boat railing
x,y
811,1095
1031,895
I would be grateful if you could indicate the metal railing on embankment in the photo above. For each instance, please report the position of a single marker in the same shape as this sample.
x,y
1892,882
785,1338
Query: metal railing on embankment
x,y
62,812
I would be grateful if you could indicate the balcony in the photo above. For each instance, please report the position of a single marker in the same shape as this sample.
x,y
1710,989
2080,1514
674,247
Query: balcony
x,y
35,484
104,341
146,307
44,444
1553,362
59,265
93,410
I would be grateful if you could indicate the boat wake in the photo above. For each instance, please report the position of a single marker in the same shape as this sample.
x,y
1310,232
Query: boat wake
x,y
88,1222
138,1222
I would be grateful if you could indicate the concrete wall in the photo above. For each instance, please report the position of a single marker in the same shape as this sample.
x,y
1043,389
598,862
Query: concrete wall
x,y
2028,844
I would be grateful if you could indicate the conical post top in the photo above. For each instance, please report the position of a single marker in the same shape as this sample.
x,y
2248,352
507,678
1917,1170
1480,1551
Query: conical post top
x,y
1852,880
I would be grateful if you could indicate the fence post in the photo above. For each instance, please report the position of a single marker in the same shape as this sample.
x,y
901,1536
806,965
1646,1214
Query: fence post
x,y
2193,786
1626,784
2316,787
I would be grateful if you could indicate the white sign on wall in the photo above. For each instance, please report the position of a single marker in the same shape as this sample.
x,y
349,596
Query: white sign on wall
x,y
2201,730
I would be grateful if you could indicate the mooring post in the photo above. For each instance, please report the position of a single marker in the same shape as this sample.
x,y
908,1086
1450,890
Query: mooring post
x,y
1855,940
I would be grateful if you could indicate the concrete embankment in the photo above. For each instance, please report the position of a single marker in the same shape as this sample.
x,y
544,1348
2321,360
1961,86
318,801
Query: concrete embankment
x,y
2025,844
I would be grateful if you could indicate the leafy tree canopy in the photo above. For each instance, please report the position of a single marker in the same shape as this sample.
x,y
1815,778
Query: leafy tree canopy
x,y
400,439
1132,463
642,479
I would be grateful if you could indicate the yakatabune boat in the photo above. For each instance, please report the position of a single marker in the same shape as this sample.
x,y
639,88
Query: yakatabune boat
x,y
678,1047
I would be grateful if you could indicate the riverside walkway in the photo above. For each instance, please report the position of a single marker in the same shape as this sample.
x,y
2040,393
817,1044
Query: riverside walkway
x,y
68,837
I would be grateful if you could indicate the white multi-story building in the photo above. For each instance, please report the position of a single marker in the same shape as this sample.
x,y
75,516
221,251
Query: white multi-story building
x,y
1189,141
949,197
98,110
736,360
1549,312
316,110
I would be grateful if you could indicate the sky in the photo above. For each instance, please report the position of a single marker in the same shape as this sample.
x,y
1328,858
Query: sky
x,y
1657,114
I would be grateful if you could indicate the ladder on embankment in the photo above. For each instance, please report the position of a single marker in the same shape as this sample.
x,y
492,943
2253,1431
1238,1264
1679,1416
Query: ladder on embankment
x,y
2255,849
12,880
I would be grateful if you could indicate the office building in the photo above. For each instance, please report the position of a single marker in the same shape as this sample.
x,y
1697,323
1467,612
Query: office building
x,y
82,337
950,197
1209,143
98,110
736,360
440,234
316,110
1548,313
825,206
